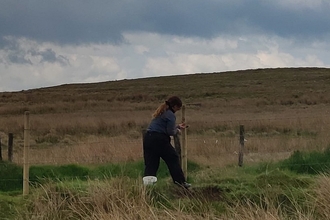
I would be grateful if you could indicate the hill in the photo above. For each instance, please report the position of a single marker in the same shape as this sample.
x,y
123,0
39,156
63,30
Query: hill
x,y
99,122
273,86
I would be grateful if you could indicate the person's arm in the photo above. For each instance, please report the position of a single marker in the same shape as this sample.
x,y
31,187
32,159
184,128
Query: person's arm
x,y
171,128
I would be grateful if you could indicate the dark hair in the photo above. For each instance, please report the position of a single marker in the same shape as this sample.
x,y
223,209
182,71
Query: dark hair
x,y
174,101
170,103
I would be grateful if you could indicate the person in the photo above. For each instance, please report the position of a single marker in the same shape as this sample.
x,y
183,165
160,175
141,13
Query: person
x,y
157,141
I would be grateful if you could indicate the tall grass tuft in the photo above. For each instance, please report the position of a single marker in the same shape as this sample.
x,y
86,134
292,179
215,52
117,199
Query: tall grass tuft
x,y
117,198
322,191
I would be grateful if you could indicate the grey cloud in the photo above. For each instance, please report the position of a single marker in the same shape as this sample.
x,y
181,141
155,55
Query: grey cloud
x,y
50,56
17,54
9,44
104,21
14,54
18,58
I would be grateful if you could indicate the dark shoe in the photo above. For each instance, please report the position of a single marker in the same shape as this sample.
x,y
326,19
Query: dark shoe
x,y
184,184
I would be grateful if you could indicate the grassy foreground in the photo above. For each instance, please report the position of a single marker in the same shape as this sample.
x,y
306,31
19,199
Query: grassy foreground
x,y
282,190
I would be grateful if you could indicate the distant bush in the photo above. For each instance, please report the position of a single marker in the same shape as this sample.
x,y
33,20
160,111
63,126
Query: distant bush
x,y
58,172
308,162
11,176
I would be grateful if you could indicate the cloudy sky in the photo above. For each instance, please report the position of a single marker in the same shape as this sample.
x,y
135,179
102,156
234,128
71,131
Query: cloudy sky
x,y
52,42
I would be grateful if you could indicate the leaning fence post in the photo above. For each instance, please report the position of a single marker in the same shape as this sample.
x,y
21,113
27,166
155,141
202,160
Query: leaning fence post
x,y
241,149
10,146
26,153
184,161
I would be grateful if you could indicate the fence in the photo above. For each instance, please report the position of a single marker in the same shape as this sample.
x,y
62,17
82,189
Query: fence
x,y
251,142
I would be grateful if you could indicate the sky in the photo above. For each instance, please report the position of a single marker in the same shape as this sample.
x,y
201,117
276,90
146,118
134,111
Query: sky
x,y
55,42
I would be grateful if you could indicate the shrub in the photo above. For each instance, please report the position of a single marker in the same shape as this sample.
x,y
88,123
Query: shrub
x,y
11,176
309,163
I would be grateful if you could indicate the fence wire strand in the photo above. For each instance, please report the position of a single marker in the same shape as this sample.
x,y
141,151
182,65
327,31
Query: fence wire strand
x,y
211,140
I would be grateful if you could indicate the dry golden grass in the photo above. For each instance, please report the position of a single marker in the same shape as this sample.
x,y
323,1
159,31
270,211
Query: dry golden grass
x,y
318,207
124,198
118,198
213,143
282,110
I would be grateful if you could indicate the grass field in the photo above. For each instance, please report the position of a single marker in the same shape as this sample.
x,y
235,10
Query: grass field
x,y
296,188
283,110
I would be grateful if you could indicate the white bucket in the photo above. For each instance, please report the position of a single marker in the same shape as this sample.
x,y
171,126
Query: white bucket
x,y
149,180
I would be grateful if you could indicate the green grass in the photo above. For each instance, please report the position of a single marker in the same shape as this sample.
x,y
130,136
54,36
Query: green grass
x,y
262,174
314,162
286,183
9,205
11,174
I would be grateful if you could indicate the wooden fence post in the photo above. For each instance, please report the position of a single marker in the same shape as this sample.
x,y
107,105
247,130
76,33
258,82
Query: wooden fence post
x,y
241,149
26,153
184,161
10,146
0,151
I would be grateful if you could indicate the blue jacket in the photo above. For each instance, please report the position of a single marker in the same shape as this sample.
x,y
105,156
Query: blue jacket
x,y
164,124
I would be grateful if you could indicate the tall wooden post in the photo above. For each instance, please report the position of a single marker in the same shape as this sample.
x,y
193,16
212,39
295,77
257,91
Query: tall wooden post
x,y
184,161
10,146
241,149
26,153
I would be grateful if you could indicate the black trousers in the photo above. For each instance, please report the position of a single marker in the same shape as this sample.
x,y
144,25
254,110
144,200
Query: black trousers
x,y
156,146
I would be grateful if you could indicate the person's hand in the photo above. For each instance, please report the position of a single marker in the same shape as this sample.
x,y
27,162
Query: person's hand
x,y
182,126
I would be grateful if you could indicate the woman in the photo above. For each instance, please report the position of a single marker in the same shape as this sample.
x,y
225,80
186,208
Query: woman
x,y
157,141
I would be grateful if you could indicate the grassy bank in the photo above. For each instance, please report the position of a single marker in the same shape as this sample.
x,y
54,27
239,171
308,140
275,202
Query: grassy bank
x,y
259,191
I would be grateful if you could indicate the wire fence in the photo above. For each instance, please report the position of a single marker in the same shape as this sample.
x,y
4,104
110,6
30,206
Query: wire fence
x,y
213,147
223,142
221,148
